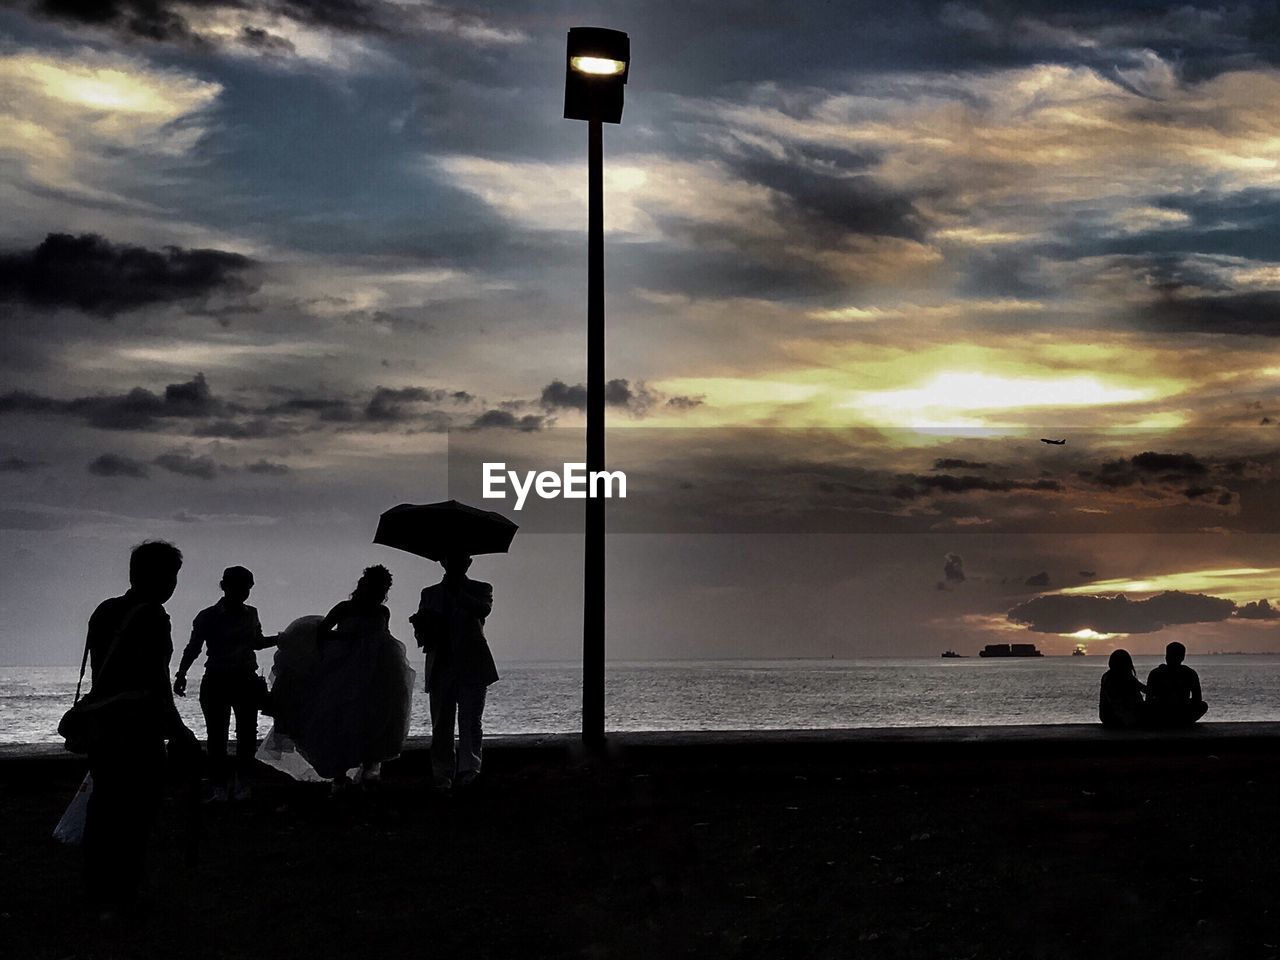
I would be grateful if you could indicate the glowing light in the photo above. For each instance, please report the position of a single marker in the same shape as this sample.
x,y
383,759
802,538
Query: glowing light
x,y
597,66
1240,584
1087,634
948,396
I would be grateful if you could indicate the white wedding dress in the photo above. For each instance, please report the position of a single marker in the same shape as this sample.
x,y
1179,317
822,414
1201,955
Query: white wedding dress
x,y
339,703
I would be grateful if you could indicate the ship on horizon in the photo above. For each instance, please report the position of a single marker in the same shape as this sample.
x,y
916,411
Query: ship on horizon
x,y
1010,650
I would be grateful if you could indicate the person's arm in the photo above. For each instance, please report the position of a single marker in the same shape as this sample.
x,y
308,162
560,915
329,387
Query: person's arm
x,y
189,654
159,633
1196,696
427,622
259,641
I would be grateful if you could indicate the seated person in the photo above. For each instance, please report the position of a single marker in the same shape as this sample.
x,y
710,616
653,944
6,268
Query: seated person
x,y
1173,691
1120,703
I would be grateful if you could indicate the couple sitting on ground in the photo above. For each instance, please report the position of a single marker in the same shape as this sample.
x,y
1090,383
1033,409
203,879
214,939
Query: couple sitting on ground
x,y
1172,692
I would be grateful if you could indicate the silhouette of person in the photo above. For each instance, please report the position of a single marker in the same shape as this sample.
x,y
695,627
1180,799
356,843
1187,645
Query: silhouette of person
x,y
231,633
1120,703
449,626
356,711
1173,691
130,648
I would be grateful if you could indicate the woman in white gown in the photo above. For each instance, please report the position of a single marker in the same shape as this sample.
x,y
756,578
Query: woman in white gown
x,y
342,689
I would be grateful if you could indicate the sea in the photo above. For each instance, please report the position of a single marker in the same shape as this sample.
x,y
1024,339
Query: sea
x,y
754,694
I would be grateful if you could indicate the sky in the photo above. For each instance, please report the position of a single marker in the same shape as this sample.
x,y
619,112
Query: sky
x,y
269,267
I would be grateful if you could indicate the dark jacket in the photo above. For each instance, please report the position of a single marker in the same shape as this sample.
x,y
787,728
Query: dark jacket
x,y
139,662
1120,702
449,626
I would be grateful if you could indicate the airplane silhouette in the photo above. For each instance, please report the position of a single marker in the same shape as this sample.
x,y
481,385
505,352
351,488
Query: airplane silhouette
x,y
1055,442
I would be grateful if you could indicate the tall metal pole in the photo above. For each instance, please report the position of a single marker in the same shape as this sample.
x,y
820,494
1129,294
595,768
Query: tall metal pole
x,y
593,574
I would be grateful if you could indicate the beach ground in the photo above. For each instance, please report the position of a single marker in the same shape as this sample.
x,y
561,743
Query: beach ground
x,y
684,850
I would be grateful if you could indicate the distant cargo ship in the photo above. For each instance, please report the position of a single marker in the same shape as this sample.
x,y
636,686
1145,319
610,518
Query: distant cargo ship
x,y
952,655
1010,650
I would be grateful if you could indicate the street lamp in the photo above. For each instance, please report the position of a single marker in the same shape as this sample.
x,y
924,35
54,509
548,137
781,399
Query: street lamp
x,y
597,62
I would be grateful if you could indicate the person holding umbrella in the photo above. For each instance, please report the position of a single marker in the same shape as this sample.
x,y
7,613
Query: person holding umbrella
x,y
449,624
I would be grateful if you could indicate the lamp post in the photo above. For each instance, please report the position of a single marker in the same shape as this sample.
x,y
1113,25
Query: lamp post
x,y
596,66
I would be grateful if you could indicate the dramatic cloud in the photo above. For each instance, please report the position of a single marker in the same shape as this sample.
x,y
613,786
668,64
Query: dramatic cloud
x,y
1040,579
334,34
92,274
139,409
115,465
951,463
1059,613
636,398
1258,610
96,128
506,420
558,394
388,404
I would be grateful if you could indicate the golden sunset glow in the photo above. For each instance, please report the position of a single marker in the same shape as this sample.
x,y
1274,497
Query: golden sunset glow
x,y
108,88
1241,584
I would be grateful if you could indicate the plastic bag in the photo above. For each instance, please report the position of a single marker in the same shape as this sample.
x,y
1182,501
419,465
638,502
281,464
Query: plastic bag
x,y
70,829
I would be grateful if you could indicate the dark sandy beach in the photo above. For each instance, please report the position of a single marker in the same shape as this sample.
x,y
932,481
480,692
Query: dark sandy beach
x,y
1022,844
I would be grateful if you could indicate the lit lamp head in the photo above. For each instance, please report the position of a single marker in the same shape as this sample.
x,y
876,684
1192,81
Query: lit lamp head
x,y
596,68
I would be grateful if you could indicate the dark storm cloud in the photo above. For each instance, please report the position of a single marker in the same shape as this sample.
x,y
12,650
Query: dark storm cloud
x,y
685,403
92,274
194,408
506,420
953,567
558,395
948,483
1118,614
115,465
1241,314
1150,466
266,42
387,404
169,21
952,463
828,204
187,465
1258,610
1040,579
139,409
163,20
145,19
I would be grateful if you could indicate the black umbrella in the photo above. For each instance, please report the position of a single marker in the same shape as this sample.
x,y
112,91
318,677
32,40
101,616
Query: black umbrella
x,y
435,530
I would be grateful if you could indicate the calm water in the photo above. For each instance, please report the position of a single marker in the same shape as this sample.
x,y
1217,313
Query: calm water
x,y
756,694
